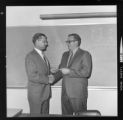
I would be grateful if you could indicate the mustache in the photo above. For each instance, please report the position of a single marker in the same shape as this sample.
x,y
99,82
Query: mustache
x,y
45,48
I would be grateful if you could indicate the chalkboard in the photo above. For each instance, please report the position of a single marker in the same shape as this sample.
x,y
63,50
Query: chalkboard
x,y
100,40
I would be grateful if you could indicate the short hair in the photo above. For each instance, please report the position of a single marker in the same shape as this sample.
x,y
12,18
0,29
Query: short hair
x,y
77,37
36,36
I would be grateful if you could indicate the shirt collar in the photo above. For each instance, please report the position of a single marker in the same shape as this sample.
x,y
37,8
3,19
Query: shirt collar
x,y
75,50
39,52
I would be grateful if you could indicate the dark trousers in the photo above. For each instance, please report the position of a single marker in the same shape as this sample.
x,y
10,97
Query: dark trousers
x,y
45,107
72,105
37,107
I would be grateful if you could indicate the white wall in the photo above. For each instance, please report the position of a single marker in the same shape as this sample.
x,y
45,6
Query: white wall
x,y
99,98
30,15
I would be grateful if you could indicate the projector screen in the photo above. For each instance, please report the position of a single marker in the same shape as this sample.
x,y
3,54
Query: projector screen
x,y
100,40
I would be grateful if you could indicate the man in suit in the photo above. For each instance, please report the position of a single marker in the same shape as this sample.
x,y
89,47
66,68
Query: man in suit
x,y
37,69
75,69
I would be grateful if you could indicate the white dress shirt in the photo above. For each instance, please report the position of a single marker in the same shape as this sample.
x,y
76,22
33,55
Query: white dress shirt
x,y
42,56
75,50
40,53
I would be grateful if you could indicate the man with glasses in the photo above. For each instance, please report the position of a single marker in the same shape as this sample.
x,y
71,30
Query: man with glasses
x,y
38,72
75,69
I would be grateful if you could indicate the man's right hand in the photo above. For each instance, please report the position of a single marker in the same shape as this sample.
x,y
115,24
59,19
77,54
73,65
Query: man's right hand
x,y
51,78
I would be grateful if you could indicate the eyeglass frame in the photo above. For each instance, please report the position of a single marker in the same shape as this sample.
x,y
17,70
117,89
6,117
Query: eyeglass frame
x,y
70,41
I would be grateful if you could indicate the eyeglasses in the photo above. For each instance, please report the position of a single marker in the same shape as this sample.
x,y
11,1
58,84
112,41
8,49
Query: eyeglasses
x,y
70,41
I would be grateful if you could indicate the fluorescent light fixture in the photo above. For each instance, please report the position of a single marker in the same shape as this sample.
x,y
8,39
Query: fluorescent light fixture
x,y
77,15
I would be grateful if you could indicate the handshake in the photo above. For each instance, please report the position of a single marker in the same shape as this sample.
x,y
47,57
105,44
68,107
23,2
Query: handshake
x,y
64,71
51,79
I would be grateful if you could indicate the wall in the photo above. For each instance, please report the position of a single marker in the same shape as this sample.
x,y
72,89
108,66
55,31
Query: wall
x,y
100,40
31,15
98,35
23,21
103,99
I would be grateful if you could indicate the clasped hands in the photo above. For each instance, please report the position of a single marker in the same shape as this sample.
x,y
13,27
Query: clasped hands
x,y
64,71
51,78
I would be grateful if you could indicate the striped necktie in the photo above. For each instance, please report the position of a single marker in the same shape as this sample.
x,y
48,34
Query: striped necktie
x,y
45,59
70,58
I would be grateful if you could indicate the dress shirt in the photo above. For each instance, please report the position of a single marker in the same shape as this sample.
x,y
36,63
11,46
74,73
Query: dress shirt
x,y
40,53
74,51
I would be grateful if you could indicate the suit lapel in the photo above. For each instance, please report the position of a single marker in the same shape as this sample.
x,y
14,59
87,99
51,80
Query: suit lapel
x,y
74,57
41,60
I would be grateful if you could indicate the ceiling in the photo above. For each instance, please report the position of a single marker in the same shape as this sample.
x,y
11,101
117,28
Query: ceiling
x,y
30,15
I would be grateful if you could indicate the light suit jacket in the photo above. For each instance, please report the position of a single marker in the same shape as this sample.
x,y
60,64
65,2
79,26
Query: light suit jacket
x,y
37,72
75,84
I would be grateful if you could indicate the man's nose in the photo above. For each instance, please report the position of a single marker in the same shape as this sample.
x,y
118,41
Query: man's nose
x,y
46,43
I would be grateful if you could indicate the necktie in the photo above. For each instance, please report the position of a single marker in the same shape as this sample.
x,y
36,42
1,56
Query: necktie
x,y
47,63
44,59
70,58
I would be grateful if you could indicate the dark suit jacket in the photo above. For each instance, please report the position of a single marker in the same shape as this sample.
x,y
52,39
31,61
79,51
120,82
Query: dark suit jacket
x,y
37,72
75,84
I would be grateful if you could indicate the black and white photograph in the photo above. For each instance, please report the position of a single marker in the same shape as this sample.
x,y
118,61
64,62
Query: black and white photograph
x,y
62,61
